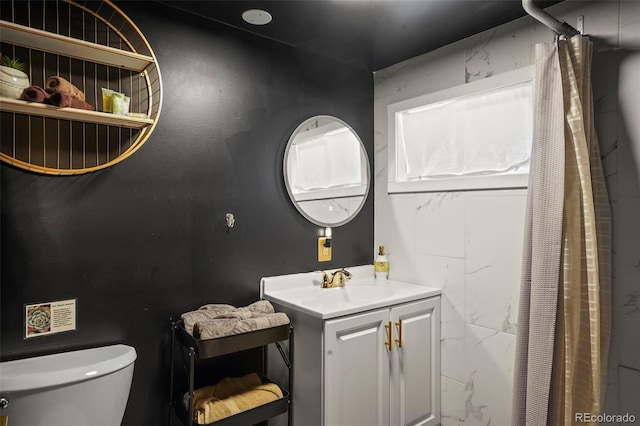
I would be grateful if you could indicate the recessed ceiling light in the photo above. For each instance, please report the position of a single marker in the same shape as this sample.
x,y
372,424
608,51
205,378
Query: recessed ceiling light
x,y
256,16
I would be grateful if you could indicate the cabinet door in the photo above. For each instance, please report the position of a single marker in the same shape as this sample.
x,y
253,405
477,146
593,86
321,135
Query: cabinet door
x,y
415,365
356,370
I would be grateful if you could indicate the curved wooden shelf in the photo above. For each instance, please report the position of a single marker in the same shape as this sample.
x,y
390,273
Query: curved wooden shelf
x,y
34,38
74,114
95,45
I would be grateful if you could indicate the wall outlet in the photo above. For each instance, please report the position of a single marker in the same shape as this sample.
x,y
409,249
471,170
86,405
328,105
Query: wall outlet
x,y
324,253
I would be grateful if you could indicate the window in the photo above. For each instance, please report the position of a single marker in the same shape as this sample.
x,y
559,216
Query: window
x,y
473,136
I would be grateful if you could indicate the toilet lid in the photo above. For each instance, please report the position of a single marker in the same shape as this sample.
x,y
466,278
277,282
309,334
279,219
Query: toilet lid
x,y
64,368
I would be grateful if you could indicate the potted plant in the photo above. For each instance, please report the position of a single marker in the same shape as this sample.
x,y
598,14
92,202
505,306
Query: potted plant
x,y
13,80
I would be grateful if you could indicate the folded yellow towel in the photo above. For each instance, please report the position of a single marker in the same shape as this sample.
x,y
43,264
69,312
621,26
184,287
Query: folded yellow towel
x,y
224,388
216,409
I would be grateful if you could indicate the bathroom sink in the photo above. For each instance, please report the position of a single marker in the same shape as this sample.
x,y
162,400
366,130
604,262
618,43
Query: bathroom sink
x,y
361,293
346,294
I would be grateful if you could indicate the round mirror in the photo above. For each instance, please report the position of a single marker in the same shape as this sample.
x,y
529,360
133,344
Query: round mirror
x,y
326,171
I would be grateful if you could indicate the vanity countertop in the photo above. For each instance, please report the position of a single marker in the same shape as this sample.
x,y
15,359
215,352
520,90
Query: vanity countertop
x,y
302,292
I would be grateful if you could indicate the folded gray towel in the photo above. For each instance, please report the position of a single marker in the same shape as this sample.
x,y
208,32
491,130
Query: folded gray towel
x,y
221,327
261,306
220,311
190,318
240,314
217,308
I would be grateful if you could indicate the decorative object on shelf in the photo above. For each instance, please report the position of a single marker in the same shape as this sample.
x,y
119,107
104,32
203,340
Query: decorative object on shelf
x,y
57,84
62,100
35,94
106,100
60,135
13,80
115,102
38,94
120,103
9,62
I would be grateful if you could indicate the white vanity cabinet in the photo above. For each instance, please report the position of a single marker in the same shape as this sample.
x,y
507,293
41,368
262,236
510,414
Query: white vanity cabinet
x,y
358,370
415,364
383,367
366,354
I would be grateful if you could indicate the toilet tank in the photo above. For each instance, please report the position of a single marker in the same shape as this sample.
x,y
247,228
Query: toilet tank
x,y
87,387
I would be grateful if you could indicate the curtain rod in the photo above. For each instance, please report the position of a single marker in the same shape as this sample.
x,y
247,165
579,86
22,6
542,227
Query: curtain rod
x,y
558,27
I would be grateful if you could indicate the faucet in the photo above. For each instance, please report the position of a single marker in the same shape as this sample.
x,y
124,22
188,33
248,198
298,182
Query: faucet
x,y
337,279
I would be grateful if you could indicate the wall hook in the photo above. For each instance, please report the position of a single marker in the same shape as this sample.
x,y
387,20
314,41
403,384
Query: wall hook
x,y
230,220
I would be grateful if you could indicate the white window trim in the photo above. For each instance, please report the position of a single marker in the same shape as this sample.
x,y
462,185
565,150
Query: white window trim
x,y
512,180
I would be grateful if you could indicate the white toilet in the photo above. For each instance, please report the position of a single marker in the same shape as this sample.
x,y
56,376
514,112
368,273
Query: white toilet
x,y
81,388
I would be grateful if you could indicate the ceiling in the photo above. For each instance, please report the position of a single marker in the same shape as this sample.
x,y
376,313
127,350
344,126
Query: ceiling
x,y
368,34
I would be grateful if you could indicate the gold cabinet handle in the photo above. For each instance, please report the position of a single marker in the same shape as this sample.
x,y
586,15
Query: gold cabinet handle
x,y
399,339
389,332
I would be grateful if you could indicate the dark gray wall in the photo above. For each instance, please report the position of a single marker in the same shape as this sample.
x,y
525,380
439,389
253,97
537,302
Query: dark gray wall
x,y
146,239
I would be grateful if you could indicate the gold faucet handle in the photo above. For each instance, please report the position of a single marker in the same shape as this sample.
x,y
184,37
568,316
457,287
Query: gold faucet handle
x,y
345,274
325,279
339,277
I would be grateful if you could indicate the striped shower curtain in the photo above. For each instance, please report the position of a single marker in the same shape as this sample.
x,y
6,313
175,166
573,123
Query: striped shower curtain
x,y
565,315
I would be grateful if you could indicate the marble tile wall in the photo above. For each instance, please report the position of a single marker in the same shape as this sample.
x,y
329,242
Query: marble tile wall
x,y
469,243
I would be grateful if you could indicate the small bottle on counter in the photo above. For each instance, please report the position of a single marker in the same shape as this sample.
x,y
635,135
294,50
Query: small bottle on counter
x,y
381,265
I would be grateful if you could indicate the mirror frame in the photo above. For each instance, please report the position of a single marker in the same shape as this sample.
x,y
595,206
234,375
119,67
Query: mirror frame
x,y
286,173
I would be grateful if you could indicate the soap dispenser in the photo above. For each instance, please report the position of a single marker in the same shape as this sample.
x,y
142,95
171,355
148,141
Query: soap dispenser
x,y
381,265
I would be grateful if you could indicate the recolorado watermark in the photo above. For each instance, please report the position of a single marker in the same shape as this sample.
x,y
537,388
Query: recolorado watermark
x,y
604,418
